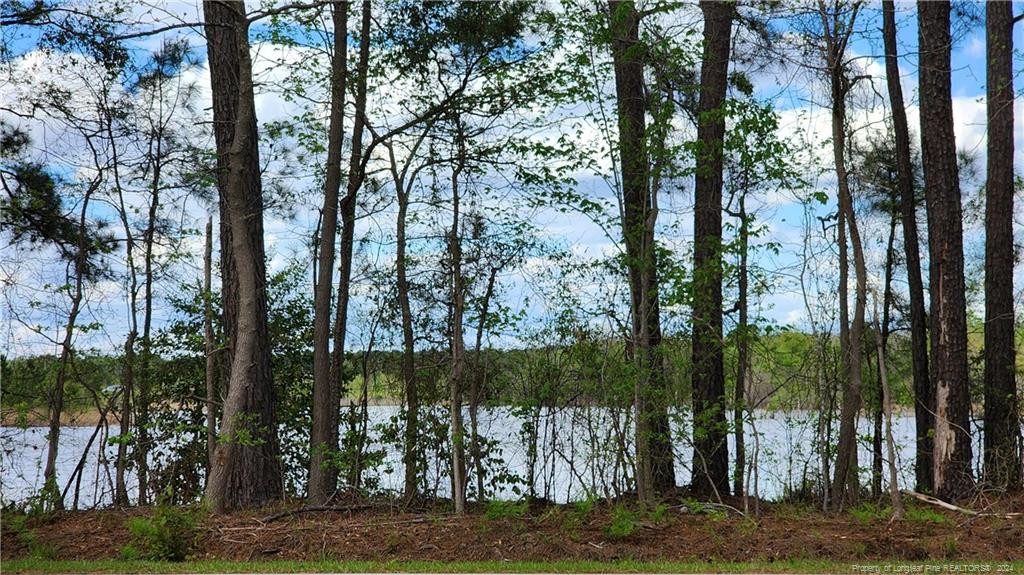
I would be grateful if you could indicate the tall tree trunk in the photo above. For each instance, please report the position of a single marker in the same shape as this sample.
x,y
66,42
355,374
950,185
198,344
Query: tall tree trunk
x,y
710,429
842,377
845,483
654,471
127,391
1002,422
128,363
924,401
145,365
208,347
952,449
323,474
742,346
52,494
458,345
409,386
348,203
879,407
881,331
476,384
246,469
403,187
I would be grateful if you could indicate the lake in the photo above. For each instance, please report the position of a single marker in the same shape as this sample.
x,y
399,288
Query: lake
x,y
576,448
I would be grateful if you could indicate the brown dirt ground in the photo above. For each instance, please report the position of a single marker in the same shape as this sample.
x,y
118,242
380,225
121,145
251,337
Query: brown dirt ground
x,y
546,533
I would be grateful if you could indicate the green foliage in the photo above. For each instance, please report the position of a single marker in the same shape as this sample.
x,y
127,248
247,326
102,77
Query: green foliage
x,y
577,513
793,509
33,210
748,526
179,425
870,512
17,523
698,508
950,547
167,535
658,514
623,523
693,506
499,509
28,382
917,514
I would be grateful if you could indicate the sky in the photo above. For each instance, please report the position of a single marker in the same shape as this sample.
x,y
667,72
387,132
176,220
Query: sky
x,y
795,94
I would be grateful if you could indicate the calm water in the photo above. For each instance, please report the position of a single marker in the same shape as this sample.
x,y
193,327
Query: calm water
x,y
575,450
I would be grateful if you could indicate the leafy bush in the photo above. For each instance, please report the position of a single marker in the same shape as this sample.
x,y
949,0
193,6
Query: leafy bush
x,y
584,506
658,514
168,535
505,509
624,523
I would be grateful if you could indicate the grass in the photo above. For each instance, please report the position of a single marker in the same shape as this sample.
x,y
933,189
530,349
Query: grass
x,y
872,512
498,509
216,566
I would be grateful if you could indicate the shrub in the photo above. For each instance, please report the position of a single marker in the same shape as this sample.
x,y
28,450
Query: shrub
x,y
168,535
624,523
658,514
505,509
693,506
869,512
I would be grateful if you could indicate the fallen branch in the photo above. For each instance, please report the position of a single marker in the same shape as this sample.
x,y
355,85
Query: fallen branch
x,y
701,508
313,509
940,503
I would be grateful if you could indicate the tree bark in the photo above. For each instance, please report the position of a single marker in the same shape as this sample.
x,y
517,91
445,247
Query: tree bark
x,y
145,365
403,182
654,471
323,474
52,495
1002,422
409,384
458,344
742,347
476,384
879,407
246,470
710,428
924,401
128,363
953,478
348,203
886,401
845,483
208,346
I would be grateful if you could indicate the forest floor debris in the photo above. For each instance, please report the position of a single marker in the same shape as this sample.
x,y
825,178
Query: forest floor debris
x,y
544,533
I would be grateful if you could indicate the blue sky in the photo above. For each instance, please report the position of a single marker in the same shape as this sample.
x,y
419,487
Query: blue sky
x,y
792,93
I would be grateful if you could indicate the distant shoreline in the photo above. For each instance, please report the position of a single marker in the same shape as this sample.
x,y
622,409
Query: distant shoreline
x,y
91,417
